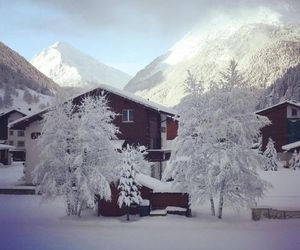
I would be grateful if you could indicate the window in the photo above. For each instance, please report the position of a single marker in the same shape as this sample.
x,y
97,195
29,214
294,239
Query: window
x,y
294,112
11,132
11,143
21,143
127,115
35,135
21,133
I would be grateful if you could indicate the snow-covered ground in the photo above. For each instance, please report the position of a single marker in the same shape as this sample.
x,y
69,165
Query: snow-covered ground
x,y
11,175
285,192
27,223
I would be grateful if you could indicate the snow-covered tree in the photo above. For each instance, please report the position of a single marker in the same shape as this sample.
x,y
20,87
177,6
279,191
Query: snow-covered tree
x,y
27,97
271,155
96,156
133,162
7,99
294,162
77,154
53,174
213,155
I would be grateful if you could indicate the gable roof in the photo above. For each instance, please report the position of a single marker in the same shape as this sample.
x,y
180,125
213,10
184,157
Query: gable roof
x,y
136,99
24,121
288,102
9,111
290,146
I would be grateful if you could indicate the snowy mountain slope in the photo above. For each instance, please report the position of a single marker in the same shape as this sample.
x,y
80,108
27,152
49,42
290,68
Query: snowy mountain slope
x,y
17,71
22,85
285,88
71,68
264,45
19,103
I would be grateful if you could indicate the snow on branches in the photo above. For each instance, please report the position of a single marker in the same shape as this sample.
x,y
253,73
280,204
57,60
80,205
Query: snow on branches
x,y
133,162
294,162
77,155
271,155
213,156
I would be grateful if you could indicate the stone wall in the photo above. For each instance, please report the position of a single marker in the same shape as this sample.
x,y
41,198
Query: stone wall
x,y
270,213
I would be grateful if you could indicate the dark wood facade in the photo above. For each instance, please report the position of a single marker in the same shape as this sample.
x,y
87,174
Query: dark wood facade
x,y
4,124
157,201
281,129
277,130
145,129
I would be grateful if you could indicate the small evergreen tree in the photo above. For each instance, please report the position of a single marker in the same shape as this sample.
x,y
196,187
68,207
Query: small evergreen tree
x,y
27,97
7,99
133,162
271,155
294,162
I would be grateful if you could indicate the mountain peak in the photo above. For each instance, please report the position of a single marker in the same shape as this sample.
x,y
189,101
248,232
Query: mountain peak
x,y
70,67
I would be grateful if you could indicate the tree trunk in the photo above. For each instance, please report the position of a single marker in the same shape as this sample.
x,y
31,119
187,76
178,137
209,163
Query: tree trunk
x,y
221,200
127,213
212,206
80,209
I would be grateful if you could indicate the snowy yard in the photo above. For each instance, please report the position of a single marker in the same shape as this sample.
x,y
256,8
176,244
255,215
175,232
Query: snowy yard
x,y
26,223
11,175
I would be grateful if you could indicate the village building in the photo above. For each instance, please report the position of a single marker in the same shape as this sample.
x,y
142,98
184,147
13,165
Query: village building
x,y
284,129
5,154
141,122
12,137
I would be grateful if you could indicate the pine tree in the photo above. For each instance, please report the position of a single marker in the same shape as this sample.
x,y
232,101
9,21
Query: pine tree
x,y
271,154
7,99
294,162
133,162
27,97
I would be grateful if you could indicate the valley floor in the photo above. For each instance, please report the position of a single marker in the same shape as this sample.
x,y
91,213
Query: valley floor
x,y
27,223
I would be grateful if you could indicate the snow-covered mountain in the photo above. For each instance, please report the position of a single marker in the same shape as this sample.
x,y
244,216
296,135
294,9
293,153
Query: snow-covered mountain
x,y
69,67
262,41
22,85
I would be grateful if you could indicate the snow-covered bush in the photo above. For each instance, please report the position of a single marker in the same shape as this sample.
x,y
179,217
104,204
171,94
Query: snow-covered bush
x,y
213,155
271,155
294,162
77,154
133,162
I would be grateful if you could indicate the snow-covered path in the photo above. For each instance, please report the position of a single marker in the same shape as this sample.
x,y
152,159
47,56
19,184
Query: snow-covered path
x,y
25,224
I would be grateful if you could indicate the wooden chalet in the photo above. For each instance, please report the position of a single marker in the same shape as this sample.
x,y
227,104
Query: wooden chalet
x,y
12,137
284,129
141,122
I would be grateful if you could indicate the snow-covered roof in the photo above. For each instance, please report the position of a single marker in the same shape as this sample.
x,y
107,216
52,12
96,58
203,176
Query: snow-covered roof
x,y
5,146
137,99
290,146
156,185
278,104
27,118
117,144
7,111
122,93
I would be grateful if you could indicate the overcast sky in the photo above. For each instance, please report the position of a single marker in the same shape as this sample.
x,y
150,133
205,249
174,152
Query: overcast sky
x,y
126,34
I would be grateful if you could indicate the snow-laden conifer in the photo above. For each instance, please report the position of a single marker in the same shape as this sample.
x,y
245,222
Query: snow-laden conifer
x,y
133,162
271,155
294,162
